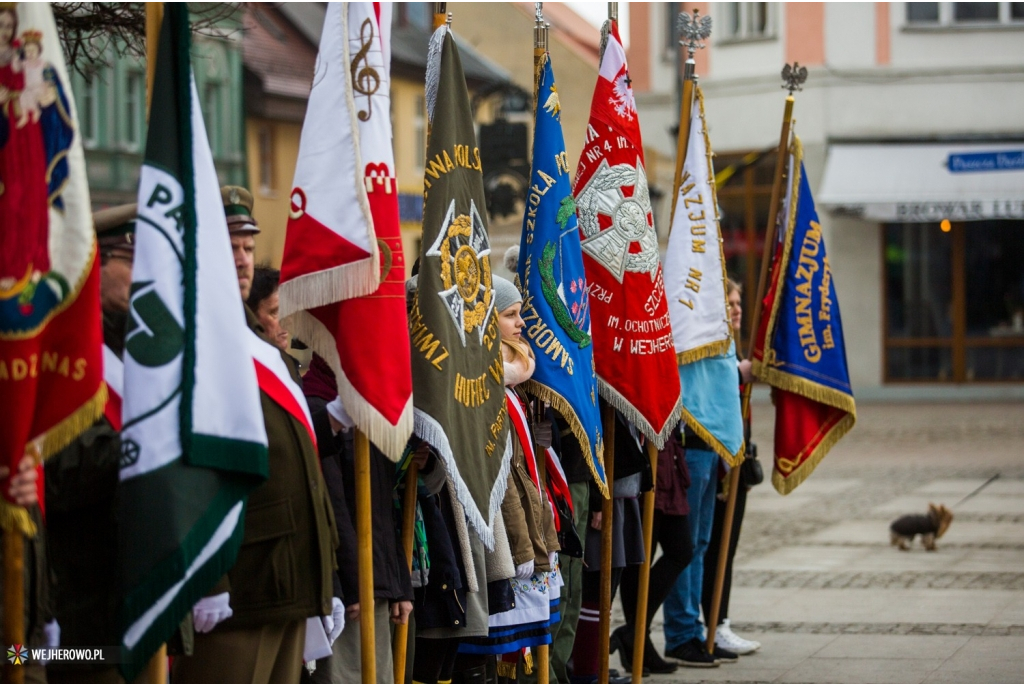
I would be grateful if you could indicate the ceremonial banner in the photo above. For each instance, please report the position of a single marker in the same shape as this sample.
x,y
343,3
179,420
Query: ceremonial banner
x,y
633,347
330,248
695,283
799,347
51,335
364,339
556,306
193,440
457,369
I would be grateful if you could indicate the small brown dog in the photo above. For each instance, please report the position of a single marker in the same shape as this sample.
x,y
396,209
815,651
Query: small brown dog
x,y
930,527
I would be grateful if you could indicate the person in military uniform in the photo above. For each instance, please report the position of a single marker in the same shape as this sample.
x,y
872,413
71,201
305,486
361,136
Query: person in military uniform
x,y
251,627
81,480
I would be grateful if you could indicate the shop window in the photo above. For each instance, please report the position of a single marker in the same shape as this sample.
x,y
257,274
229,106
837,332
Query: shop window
x,y
954,301
744,188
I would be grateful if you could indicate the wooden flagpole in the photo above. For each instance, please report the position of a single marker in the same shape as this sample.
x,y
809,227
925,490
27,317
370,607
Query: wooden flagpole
x,y
14,583
690,35
156,669
540,49
644,584
400,645
605,617
364,532
794,77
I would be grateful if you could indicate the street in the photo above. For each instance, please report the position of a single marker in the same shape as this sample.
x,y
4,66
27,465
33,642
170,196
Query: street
x,y
818,584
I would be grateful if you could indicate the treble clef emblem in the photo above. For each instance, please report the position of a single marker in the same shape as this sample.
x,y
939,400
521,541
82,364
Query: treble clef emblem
x,y
365,79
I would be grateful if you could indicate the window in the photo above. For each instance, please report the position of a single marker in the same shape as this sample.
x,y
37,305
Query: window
x,y
954,302
671,29
266,153
134,109
89,112
419,127
212,103
965,14
748,20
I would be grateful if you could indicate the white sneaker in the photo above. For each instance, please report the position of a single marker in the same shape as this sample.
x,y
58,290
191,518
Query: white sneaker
x,y
726,639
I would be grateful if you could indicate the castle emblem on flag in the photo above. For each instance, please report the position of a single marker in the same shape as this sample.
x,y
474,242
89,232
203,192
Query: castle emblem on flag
x,y
612,222
464,250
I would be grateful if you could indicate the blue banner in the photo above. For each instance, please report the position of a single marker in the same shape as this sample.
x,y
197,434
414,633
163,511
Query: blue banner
x,y
556,306
808,341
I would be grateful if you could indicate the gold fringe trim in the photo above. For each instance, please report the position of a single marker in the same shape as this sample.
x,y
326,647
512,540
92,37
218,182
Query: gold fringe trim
x,y
711,349
733,460
787,484
61,435
528,661
506,669
15,518
562,406
805,388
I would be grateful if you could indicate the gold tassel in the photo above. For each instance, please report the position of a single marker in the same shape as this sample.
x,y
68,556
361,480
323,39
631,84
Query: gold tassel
x,y
15,518
528,660
506,669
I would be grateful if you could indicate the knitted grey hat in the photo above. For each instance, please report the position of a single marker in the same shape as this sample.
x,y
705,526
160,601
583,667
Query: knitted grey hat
x,y
506,293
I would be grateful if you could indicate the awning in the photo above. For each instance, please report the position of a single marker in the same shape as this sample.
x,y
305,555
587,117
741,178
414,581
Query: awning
x,y
925,182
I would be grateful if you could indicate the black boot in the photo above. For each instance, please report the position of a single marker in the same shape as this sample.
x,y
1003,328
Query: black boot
x,y
622,640
654,663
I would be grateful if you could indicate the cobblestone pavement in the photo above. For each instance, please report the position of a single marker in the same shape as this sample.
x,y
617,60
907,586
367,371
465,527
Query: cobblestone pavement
x,y
817,582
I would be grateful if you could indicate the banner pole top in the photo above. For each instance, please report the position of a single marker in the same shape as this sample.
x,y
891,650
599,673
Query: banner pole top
x,y
693,30
540,29
613,11
794,76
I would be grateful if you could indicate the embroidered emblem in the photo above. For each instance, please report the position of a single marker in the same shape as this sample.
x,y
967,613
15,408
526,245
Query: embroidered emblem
x,y
627,219
622,95
464,250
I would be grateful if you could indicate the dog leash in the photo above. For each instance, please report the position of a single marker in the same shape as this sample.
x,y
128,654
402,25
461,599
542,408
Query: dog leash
x,y
976,491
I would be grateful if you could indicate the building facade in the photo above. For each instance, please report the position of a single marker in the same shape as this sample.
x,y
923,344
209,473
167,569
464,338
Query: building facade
x,y
914,148
111,103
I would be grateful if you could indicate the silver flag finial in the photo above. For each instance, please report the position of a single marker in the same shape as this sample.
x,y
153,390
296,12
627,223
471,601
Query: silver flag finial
x,y
794,77
693,30
538,13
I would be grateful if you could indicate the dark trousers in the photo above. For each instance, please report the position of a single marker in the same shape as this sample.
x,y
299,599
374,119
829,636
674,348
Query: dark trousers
x,y
673,534
435,660
714,549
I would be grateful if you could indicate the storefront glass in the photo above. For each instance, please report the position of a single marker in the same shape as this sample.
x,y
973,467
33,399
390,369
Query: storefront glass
x,y
954,301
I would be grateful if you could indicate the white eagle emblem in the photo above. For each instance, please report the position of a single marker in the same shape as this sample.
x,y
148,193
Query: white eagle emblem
x,y
631,220
622,99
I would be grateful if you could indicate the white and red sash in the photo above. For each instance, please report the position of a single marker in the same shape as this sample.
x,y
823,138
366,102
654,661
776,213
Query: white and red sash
x,y
274,378
522,428
113,376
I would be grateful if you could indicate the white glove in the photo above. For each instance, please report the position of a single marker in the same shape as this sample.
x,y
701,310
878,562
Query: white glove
x,y
553,560
525,571
338,412
52,632
209,611
335,623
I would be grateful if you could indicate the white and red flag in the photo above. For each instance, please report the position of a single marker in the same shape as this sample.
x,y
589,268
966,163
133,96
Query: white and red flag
x,y
343,271
633,346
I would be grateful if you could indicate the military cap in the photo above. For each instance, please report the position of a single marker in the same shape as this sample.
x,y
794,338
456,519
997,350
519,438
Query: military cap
x,y
115,229
238,209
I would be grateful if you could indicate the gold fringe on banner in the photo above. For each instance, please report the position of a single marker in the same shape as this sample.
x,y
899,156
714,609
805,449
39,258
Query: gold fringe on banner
x,y
711,349
61,435
786,484
775,377
733,460
562,406
15,518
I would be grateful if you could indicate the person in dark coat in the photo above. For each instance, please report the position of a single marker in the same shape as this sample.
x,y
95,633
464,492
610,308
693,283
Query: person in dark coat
x,y
393,591
81,480
252,626
672,531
